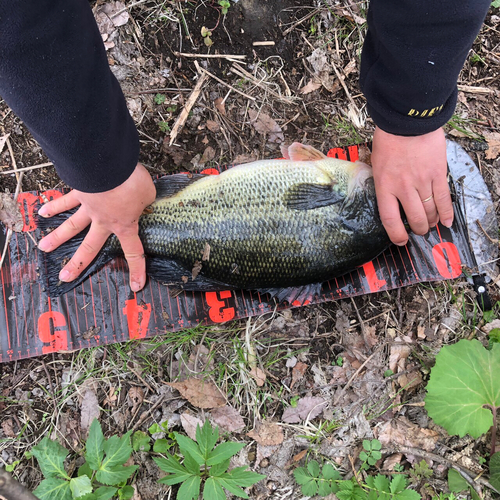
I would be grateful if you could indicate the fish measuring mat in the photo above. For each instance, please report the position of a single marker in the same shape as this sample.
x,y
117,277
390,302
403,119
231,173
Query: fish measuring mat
x,y
102,310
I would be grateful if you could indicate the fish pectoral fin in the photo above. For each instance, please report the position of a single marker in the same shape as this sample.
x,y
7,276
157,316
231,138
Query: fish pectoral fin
x,y
172,184
310,196
301,152
301,294
170,272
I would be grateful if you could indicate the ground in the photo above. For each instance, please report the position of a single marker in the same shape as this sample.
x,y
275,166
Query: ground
x,y
300,86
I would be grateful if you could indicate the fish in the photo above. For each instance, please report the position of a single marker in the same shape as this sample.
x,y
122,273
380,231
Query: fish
x,y
279,226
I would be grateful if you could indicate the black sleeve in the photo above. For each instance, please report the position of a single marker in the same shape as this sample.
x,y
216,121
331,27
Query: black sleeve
x,y
412,56
55,76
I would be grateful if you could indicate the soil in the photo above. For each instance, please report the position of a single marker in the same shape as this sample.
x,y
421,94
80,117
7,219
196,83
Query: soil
x,y
347,346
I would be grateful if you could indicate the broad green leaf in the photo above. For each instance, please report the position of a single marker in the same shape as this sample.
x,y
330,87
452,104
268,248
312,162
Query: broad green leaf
x,y
126,492
311,488
330,472
161,446
105,492
172,479
118,451
398,483
381,483
154,428
212,490
243,477
170,464
89,496
464,379
190,488
376,444
53,488
140,441
85,470
191,465
219,469
94,449
206,437
80,486
302,475
187,445
313,468
494,471
456,483
115,475
223,452
232,487
326,487
408,495
50,455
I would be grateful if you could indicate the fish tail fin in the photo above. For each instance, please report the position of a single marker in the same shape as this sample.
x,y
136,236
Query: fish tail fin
x,y
51,263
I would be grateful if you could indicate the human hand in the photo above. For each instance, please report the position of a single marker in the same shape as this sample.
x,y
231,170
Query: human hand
x,y
115,211
411,170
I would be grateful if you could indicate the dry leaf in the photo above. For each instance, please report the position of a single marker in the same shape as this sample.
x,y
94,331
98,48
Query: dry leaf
x,y
189,424
310,87
196,269
10,214
111,397
258,375
399,352
307,408
200,393
3,140
135,397
117,13
213,126
296,458
267,434
493,139
89,409
219,104
391,461
298,372
403,432
228,419
208,155
8,428
264,124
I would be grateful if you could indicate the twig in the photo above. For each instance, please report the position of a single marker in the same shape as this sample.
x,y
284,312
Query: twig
x,y
11,489
475,90
12,157
181,119
155,91
210,56
147,413
263,43
128,7
478,222
207,73
25,169
300,21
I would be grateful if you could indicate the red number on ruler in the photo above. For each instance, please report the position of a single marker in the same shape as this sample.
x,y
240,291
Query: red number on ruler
x,y
137,318
447,259
218,310
48,334
27,203
374,283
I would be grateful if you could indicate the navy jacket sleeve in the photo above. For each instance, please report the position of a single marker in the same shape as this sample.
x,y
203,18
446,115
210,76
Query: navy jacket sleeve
x,y
412,56
55,76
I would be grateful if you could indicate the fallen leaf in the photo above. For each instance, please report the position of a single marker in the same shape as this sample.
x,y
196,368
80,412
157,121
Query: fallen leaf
x,y
311,86
10,214
206,253
403,432
296,458
239,159
211,125
111,397
264,124
135,397
220,106
267,434
200,393
258,375
189,424
399,352
117,13
8,428
493,139
307,408
298,372
208,155
3,140
391,461
228,419
89,408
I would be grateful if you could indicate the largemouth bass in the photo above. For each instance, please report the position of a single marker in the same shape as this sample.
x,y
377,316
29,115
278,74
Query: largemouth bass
x,y
270,225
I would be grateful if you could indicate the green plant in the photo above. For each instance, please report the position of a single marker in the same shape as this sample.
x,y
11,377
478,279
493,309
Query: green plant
x,y
208,464
164,126
101,477
421,471
206,34
495,4
160,99
371,454
225,6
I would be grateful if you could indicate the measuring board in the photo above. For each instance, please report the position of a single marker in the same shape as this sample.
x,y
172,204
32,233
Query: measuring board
x,y
103,310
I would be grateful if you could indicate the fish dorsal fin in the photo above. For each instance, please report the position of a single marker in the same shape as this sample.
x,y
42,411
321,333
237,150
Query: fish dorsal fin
x,y
301,152
172,184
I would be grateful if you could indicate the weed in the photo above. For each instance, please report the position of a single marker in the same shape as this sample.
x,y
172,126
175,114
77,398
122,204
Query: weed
x,y
225,6
164,126
160,99
371,453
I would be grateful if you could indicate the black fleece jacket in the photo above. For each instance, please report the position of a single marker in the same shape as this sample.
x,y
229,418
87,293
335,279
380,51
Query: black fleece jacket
x,y
55,76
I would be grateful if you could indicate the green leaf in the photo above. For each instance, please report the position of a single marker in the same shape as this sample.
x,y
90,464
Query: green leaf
x,y
187,445
302,475
105,492
115,475
53,488
85,470
80,486
464,379
50,455
326,487
118,451
330,472
191,465
223,452
232,487
162,446
243,477
94,448
456,483
376,444
494,471
126,493
89,496
190,488
170,464
408,495
154,428
206,437
311,488
381,483
219,469
212,490
140,441
398,483
313,468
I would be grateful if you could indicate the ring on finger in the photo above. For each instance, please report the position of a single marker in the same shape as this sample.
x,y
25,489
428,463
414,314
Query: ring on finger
x,y
428,199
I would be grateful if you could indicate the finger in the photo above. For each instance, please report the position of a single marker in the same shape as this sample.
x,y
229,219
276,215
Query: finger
x,y
134,254
69,228
61,204
415,213
442,199
430,210
388,207
85,254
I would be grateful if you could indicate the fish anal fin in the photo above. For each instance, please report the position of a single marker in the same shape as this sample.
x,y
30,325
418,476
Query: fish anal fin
x,y
302,152
172,184
310,196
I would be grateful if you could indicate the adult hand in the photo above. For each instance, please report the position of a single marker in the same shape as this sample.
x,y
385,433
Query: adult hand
x,y
411,171
116,211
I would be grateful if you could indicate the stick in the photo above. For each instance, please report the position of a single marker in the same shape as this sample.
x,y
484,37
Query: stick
x,y
11,489
210,56
25,169
181,119
475,90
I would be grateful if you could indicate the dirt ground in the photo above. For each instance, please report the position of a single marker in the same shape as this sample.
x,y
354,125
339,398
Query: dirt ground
x,y
299,83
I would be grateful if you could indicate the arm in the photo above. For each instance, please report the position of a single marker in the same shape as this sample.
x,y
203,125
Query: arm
x,y
55,76
412,56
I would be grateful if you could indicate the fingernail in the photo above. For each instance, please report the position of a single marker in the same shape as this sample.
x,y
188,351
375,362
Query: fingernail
x,y
43,211
65,275
401,243
43,245
135,286
448,223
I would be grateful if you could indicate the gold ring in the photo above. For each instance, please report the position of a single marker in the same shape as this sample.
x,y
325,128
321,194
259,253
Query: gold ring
x,y
428,199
